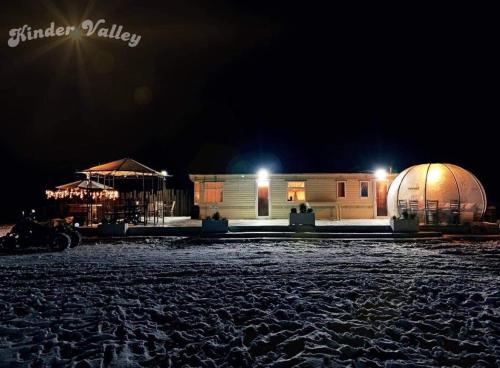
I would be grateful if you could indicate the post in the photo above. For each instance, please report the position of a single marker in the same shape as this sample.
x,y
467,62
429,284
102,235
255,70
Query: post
x,y
163,199
144,199
153,192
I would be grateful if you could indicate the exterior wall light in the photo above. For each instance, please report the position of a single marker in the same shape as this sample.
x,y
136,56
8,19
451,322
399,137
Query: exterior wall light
x,y
262,177
381,174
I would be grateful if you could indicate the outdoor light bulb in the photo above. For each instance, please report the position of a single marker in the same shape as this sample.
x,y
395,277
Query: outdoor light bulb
x,y
164,173
263,174
262,177
380,174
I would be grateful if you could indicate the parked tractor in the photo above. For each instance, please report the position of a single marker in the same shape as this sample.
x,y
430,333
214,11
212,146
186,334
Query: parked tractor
x,y
55,234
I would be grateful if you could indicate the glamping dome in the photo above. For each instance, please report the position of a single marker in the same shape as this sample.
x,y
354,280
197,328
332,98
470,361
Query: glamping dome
x,y
437,194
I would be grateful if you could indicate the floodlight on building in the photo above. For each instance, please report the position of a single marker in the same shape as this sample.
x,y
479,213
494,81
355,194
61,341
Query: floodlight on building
x,y
381,174
262,177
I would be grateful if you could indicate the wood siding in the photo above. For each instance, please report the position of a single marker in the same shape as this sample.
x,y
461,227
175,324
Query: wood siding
x,y
239,196
238,199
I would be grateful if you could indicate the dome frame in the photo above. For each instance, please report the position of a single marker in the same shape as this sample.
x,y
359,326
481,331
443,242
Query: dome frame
x,y
445,187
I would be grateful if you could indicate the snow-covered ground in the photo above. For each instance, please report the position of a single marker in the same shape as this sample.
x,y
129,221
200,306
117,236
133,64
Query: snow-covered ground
x,y
328,303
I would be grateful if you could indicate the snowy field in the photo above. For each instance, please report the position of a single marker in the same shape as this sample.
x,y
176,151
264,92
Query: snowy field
x,y
328,303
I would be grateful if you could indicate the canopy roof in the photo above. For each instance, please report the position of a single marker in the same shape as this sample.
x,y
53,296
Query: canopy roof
x,y
84,184
124,167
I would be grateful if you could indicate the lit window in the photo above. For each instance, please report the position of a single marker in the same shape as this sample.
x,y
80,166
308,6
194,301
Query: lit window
x,y
213,192
341,189
296,191
363,189
197,192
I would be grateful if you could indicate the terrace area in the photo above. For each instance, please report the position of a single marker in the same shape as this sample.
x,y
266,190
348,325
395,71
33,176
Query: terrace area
x,y
188,222
185,226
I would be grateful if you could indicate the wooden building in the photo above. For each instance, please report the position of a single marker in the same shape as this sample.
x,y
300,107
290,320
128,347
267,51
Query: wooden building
x,y
264,195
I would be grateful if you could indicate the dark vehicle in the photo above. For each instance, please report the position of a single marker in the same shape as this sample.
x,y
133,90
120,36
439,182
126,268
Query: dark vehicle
x,y
56,234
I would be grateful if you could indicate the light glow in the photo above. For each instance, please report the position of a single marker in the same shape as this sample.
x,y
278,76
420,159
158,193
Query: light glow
x,y
82,194
76,34
263,174
381,174
296,191
434,174
262,177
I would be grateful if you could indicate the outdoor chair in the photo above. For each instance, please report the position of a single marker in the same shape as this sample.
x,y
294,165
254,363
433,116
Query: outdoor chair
x,y
454,211
431,212
170,208
402,206
413,206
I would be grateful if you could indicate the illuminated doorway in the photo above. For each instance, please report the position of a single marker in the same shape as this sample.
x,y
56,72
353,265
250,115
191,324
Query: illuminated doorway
x,y
263,198
381,198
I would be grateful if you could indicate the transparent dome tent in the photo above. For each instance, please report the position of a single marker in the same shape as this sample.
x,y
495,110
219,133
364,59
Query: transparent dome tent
x,y
438,194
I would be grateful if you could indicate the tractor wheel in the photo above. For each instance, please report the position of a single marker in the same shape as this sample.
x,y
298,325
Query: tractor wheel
x,y
8,242
76,238
61,242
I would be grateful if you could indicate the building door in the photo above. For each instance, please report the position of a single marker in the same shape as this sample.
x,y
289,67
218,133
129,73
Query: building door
x,y
263,199
381,197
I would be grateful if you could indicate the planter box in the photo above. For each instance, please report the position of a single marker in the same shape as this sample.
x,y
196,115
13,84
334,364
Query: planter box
x,y
112,229
405,225
484,228
215,226
302,219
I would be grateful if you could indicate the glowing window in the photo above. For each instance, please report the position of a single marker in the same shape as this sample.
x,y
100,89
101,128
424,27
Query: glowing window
x,y
363,189
197,192
296,191
341,189
213,192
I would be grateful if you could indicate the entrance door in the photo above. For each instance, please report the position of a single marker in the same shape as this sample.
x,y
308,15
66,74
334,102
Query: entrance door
x,y
381,197
263,199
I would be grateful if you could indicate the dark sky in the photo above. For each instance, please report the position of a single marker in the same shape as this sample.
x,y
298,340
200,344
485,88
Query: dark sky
x,y
228,86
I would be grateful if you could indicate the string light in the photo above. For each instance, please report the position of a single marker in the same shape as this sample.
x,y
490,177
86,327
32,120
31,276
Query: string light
x,y
81,194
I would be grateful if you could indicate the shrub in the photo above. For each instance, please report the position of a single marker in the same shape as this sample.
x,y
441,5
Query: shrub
x,y
405,214
195,212
303,208
109,220
216,216
413,216
293,210
310,210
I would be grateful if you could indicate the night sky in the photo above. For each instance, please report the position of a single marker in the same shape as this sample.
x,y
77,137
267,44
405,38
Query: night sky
x,y
228,86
